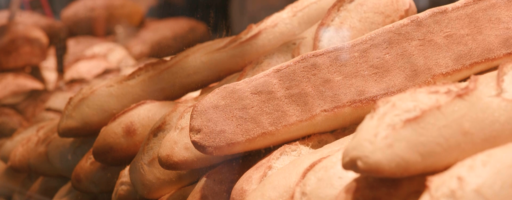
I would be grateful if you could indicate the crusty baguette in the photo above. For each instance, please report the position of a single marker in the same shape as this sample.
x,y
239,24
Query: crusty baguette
x,y
16,83
280,158
16,138
67,192
45,187
218,183
22,45
10,121
120,140
90,176
29,155
124,189
190,70
165,37
283,181
336,87
148,177
367,187
180,194
99,17
481,176
65,153
347,20
412,134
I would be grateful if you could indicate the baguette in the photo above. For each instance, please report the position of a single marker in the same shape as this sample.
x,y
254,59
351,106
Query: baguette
x,y
21,46
16,86
65,153
67,192
165,37
16,138
58,100
218,183
411,133
324,90
33,105
180,194
10,121
120,140
99,17
10,181
280,158
149,179
481,176
124,189
45,187
190,70
90,176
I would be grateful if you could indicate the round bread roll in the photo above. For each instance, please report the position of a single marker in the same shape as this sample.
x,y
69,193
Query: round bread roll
x,y
481,176
429,129
165,37
99,17
10,121
90,176
21,46
120,140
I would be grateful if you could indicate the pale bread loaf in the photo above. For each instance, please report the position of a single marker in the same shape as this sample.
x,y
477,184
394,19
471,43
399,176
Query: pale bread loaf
x,y
336,87
149,179
90,176
120,140
10,121
124,189
45,187
481,176
429,129
280,158
190,70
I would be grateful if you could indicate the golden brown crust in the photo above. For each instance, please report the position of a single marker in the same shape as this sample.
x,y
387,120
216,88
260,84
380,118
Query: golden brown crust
x,y
167,37
312,92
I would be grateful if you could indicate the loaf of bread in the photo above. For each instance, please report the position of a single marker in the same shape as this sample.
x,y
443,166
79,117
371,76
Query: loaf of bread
x,y
120,140
481,176
90,176
16,138
10,121
16,87
336,87
180,194
208,63
218,183
45,187
282,157
165,37
99,17
411,133
67,192
149,179
124,189
65,153
22,45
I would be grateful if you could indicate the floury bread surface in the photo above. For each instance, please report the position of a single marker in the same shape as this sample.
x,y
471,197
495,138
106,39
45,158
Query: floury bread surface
x,y
336,87
485,175
429,129
190,70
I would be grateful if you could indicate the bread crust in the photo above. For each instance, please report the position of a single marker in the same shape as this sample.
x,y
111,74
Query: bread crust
x,y
336,87
120,140
190,70
21,45
10,121
124,189
15,83
429,129
90,176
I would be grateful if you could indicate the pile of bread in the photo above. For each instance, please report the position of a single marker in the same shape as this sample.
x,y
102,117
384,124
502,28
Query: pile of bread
x,y
326,99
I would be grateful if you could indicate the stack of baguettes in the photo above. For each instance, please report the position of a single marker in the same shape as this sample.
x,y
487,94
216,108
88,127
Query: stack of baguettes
x,y
326,99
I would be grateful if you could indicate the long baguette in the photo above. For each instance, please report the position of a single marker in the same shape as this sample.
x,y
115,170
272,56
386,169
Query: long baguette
x,y
429,129
482,176
90,176
16,138
336,87
190,70
124,189
65,153
120,140
180,194
149,179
